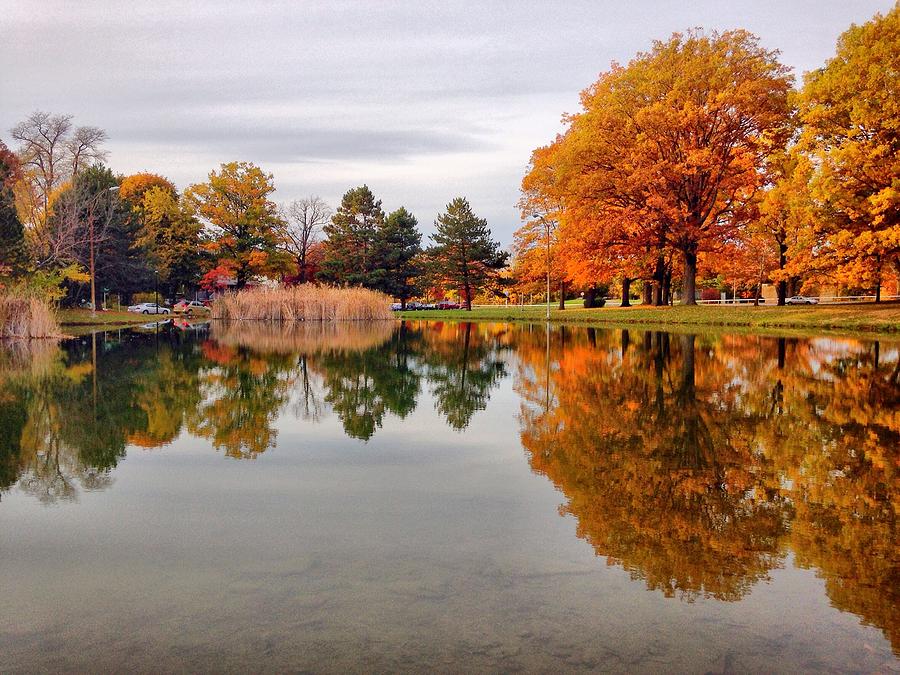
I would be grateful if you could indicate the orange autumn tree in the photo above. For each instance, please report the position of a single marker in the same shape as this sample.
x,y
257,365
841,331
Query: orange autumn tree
x,y
785,209
133,188
851,116
579,254
244,225
531,258
536,244
669,151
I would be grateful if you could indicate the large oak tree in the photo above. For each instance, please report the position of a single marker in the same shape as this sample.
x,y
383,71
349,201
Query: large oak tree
x,y
851,115
669,150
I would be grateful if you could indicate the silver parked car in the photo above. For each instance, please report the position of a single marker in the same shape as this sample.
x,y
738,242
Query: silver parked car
x,y
148,308
801,300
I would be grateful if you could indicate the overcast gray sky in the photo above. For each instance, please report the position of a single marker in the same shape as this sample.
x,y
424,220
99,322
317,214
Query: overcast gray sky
x,y
423,101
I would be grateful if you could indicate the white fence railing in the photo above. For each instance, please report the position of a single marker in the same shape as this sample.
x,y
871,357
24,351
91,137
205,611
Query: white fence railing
x,y
822,300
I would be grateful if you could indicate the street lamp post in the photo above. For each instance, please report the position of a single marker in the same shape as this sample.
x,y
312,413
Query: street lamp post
x,y
114,188
93,276
547,239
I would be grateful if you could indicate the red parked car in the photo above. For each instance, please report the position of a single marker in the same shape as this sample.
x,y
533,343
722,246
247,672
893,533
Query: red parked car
x,y
447,304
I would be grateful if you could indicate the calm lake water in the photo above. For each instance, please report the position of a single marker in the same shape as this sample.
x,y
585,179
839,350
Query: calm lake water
x,y
450,497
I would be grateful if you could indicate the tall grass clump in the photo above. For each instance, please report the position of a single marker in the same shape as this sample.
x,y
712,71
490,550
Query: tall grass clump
x,y
24,315
303,303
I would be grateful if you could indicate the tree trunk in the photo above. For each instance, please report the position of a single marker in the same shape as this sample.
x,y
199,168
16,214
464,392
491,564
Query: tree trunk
x,y
590,297
468,293
667,287
659,277
626,289
647,293
690,279
240,278
878,279
781,287
562,294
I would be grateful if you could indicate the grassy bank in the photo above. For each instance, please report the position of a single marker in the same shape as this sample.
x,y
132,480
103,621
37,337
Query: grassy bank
x,y
83,317
870,318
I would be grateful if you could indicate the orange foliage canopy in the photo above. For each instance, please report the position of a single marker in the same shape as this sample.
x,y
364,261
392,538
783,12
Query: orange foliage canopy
x,y
133,188
667,153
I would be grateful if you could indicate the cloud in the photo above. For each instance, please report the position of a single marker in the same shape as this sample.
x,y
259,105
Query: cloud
x,y
307,144
427,100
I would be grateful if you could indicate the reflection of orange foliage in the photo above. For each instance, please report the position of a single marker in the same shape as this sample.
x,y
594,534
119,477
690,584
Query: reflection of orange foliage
x,y
695,463
79,371
218,353
244,394
144,440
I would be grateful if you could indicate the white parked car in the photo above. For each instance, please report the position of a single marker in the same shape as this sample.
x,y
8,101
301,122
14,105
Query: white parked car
x,y
801,300
148,308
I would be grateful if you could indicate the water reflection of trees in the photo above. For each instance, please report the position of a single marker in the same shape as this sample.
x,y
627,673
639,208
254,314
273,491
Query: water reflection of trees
x,y
65,427
68,412
362,386
695,463
463,363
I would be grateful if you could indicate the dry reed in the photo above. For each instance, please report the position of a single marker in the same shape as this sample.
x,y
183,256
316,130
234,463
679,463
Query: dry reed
x,y
301,337
303,303
25,317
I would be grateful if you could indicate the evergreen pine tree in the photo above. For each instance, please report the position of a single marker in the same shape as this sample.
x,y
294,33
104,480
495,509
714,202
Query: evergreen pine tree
x,y
350,255
398,244
463,254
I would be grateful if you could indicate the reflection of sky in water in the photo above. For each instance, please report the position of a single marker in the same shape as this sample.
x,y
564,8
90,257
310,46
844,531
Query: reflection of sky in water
x,y
423,546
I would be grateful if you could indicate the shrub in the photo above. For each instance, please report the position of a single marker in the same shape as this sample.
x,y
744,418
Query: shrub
x,y
305,302
26,316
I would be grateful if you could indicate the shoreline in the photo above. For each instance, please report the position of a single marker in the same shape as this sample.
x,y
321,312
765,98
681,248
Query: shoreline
x,y
870,319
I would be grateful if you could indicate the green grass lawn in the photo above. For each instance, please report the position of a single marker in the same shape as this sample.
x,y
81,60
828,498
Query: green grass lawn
x,y
869,318
880,318
83,317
